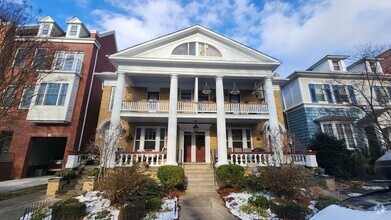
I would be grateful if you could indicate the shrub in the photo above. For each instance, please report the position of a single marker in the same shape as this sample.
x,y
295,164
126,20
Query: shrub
x,y
93,172
283,181
324,201
135,210
230,175
104,215
333,155
66,174
252,209
122,184
259,201
253,183
68,209
171,176
153,204
153,189
40,213
288,210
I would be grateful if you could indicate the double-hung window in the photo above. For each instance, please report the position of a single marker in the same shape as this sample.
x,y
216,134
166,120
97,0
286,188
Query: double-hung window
x,y
186,95
336,65
28,93
320,94
149,138
45,29
341,131
73,30
8,96
382,95
52,94
20,57
372,65
68,61
39,58
239,139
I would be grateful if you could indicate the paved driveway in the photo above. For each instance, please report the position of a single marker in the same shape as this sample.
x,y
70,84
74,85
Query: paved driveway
x,y
12,185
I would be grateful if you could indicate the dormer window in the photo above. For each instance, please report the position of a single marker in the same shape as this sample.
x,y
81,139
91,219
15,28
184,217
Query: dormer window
x,y
45,29
73,30
372,65
336,65
196,49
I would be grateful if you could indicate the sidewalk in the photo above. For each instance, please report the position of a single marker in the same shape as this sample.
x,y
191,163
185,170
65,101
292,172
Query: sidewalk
x,y
12,185
203,206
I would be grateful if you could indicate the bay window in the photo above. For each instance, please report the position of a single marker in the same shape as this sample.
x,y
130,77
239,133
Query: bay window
x,y
342,131
52,94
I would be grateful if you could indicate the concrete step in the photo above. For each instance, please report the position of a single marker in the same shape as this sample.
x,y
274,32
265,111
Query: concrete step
x,y
200,177
199,182
201,188
198,171
197,166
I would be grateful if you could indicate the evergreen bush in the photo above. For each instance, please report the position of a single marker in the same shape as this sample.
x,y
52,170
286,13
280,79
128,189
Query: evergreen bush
x,y
171,176
68,209
288,210
230,175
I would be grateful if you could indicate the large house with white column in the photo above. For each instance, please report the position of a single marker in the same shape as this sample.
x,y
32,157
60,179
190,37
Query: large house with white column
x,y
192,96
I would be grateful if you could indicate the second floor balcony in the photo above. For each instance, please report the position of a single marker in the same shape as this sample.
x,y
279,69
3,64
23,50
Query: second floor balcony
x,y
194,107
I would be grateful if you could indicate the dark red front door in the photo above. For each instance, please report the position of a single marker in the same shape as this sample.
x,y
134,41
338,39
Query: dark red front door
x,y
200,148
187,143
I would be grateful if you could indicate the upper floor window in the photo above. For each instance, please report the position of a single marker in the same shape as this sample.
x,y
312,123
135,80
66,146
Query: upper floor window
x,y
69,61
20,57
336,65
52,94
383,94
45,29
8,96
344,93
320,93
372,65
28,93
39,58
196,49
73,30
186,95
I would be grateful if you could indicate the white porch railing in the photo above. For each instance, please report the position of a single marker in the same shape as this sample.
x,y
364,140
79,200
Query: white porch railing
x,y
194,107
131,158
266,158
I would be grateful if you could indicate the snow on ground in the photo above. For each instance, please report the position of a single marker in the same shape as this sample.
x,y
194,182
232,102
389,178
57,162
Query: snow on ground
x,y
354,194
336,212
169,211
95,203
372,187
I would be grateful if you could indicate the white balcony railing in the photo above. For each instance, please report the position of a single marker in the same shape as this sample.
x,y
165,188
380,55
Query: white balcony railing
x,y
266,158
131,158
194,107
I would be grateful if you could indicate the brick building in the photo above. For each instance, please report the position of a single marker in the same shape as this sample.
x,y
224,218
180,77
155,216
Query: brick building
x,y
58,115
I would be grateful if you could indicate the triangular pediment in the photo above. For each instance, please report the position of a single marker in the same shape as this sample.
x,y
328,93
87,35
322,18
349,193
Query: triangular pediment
x,y
47,19
162,48
74,20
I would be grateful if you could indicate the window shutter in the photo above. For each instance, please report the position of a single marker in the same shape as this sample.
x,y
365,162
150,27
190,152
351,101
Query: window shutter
x,y
328,93
336,94
379,97
389,91
352,95
312,92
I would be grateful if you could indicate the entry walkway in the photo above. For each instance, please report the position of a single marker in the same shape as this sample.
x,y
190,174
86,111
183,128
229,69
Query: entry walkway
x,y
203,205
12,185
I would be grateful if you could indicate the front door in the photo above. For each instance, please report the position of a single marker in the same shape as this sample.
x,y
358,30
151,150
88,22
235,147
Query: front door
x,y
187,147
200,148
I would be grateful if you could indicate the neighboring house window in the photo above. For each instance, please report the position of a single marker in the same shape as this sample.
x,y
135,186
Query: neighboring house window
x,y
320,92
239,139
186,95
52,94
112,94
341,131
28,93
68,61
149,138
73,30
20,57
8,96
381,94
336,65
39,58
344,93
196,49
45,29
372,65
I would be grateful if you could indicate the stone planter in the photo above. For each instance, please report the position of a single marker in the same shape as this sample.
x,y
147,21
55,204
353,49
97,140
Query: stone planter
x,y
54,185
89,184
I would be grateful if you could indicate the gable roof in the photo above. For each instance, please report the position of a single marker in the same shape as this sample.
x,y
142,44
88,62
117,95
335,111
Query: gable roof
x,y
327,57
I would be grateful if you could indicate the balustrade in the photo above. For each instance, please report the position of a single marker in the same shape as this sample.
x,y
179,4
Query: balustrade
x,y
131,158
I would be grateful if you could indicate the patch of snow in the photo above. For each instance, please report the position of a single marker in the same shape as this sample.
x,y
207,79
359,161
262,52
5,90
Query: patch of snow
x,y
372,187
169,211
336,212
95,203
354,194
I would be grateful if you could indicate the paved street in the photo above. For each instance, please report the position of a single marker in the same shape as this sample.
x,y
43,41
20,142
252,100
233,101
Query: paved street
x,y
12,185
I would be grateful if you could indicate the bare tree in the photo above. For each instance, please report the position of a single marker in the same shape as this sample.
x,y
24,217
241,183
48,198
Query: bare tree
x,y
372,89
25,58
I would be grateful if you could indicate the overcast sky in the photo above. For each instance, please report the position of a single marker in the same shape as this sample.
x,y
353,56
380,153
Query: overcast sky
x,y
298,33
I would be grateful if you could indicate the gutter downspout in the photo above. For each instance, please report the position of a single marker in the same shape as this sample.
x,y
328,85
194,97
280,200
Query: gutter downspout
x,y
88,99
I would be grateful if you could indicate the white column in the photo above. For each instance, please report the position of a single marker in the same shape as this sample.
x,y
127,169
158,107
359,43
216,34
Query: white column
x,y
115,121
172,121
221,135
273,121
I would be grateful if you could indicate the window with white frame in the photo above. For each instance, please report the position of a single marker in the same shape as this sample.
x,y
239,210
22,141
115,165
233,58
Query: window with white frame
x,y
336,65
73,30
45,29
68,61
149,138
239,138
52,94
186,95
8,96
341,131
196,49
343,94
39,58
20,57
112,94
372,65
319,92
28,93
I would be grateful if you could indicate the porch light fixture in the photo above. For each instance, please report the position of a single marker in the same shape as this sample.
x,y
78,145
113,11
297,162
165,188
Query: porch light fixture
x,y
259,92
195,127
235,90
206,90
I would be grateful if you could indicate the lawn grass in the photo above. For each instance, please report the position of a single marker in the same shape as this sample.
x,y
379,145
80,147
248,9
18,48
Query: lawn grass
x,y
21,192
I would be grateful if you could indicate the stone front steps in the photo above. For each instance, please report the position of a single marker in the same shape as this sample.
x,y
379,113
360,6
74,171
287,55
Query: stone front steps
x,y
199,177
